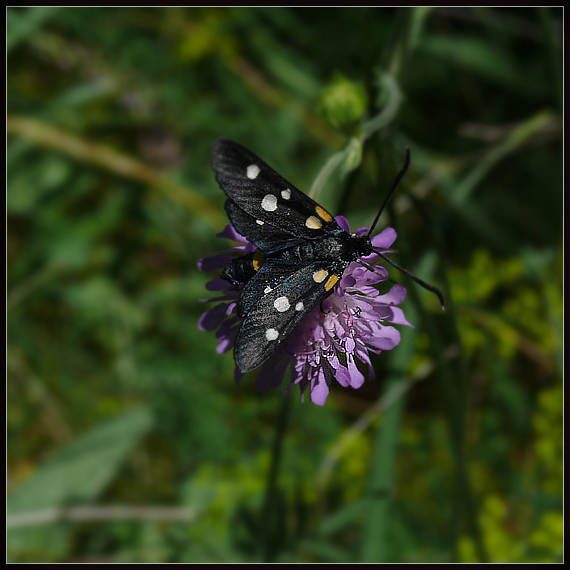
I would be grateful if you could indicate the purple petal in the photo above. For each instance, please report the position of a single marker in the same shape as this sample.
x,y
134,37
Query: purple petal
x,y
365,292
343,223
229,232
388,338
217,284
214,262
237,249
362,354
384,239
397,317
320,390
342,376
220,298
334,361
347,281
224,345
356,377
395,296
213,318
369,277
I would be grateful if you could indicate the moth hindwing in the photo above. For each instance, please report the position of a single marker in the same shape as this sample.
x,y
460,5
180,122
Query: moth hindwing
x,y
303,251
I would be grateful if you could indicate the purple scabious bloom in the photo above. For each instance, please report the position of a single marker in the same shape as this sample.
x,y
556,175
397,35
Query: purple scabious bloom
x,y
353,322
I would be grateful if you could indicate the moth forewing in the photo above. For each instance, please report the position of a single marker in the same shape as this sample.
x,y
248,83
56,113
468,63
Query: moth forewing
x,y
265,235
265,195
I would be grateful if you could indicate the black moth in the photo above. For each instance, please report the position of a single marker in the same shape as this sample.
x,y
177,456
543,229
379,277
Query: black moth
x,y
302,251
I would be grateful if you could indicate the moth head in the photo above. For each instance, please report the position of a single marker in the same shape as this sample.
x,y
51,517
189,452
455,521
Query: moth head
x,y
362,245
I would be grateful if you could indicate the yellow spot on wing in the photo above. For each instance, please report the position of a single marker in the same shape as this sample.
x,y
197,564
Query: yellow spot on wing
x,y
323,214
257,260
332,281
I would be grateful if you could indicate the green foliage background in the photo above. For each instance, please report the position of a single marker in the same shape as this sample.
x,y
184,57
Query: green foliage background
x,y
128,440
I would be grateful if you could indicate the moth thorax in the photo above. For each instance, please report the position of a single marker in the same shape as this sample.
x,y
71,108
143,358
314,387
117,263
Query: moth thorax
x,y
361,246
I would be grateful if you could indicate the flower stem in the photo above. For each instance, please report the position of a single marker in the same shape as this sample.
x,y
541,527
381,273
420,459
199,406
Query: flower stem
x,y
390,110
270,543
326,171
381,120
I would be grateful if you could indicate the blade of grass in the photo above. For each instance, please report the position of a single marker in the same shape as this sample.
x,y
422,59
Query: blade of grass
x,y
453,380
23,24
554,53
528,129
453,385
115,162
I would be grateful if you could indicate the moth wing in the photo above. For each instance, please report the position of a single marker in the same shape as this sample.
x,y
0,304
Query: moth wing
x,y
264,235
265,195
268,278
276,313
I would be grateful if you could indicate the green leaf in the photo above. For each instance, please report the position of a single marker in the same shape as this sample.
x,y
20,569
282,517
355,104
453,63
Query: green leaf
x,y
21,25
343,517
327,551
78,474
482,58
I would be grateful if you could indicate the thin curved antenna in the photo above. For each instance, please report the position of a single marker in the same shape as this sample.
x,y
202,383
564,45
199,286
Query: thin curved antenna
x,y
392,190
419,281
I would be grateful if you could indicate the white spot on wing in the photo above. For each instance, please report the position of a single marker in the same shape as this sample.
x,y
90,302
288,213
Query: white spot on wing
x,y
281,304
286,194
320,275
269,203
271,334
252,171
299,306
313,223
260,222
267,290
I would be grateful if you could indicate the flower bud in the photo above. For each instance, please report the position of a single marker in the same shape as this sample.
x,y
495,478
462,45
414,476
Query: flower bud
x,y
343,102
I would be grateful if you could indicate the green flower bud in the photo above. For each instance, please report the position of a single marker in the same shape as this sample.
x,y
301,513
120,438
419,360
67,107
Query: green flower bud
x,y
343,102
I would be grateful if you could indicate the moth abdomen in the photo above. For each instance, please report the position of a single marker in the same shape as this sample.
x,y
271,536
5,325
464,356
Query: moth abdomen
x,y
241,269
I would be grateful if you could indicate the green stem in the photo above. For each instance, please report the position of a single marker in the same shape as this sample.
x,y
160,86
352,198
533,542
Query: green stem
x,y
545,16
270,542
524,132
326,171
380,121
390,110
409,34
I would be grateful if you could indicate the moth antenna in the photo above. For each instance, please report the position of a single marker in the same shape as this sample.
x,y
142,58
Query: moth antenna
x,y
369,267
419,281
392,190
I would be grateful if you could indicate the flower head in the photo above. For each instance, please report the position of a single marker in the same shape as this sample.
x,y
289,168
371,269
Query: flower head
x,y
353,322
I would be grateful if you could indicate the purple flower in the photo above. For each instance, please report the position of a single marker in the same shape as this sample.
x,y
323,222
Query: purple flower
x,y
353,322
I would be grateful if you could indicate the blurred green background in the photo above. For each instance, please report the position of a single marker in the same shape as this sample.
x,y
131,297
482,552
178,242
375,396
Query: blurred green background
x,y
128,440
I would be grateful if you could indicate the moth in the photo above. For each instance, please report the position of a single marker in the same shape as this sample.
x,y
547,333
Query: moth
x,y
302,251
